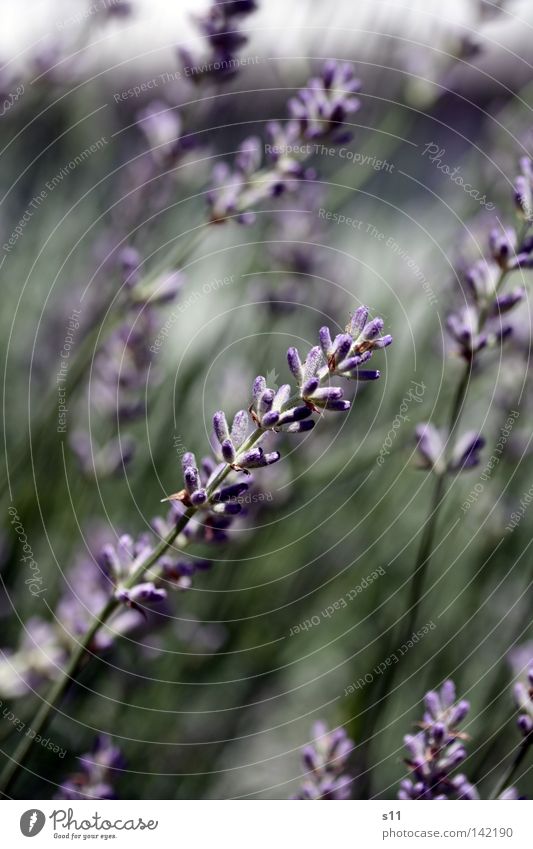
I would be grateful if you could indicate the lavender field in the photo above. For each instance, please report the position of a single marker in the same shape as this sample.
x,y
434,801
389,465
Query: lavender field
x,y
266,334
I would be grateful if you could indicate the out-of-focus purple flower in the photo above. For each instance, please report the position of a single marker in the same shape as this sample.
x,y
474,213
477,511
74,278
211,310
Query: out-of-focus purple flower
x,y
95,778
117,9
431,448
220,27
326,760
436,751
523,694
322,107
523,189
38,658
510,794
466,452
318,113
476,325
161,125
123,365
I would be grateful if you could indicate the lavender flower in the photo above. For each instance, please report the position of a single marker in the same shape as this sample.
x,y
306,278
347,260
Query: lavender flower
x,y
431,448
477,324
318,113
523,693
435,752
326,760
121,562
122,366
274,411
94,780
38,658
523,189
161,124
220,28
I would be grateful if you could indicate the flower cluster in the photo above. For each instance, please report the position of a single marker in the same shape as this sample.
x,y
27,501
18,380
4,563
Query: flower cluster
x,y
161,126
122,366
436,751
478,324
94,780
431,447
210,500
326,761
273,411
318,113
220,28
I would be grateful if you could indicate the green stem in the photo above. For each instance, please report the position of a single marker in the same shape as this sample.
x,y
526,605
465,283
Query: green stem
x,y
58,689
427,542
513,766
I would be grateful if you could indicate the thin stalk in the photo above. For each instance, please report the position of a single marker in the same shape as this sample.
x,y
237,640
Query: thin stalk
x,y
58,689
513,766
438,498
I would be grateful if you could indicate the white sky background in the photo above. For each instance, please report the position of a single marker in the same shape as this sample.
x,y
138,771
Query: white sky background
x,y
281,27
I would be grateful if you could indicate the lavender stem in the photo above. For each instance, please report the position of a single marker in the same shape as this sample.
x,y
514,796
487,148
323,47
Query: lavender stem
x,y
513,766
16,761
425,551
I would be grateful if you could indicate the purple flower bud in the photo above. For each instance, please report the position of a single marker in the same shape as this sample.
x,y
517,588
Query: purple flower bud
x,y
341,346
312,363
227,508
295,364
372,329
525,724
327,393
506,302
432,702
251,457
301,427
220,426
192,479
259,387
188,460
227,493
358,321
256,458
140,593
466,452
365,374
228,451
265,401
309,758
296,414
430,446
199,497
458,713
337,406
239,428
270,419
309,387
325,341
249,156
447,694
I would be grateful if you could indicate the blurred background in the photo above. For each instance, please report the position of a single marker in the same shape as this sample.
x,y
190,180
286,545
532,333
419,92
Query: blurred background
x,y
107,147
